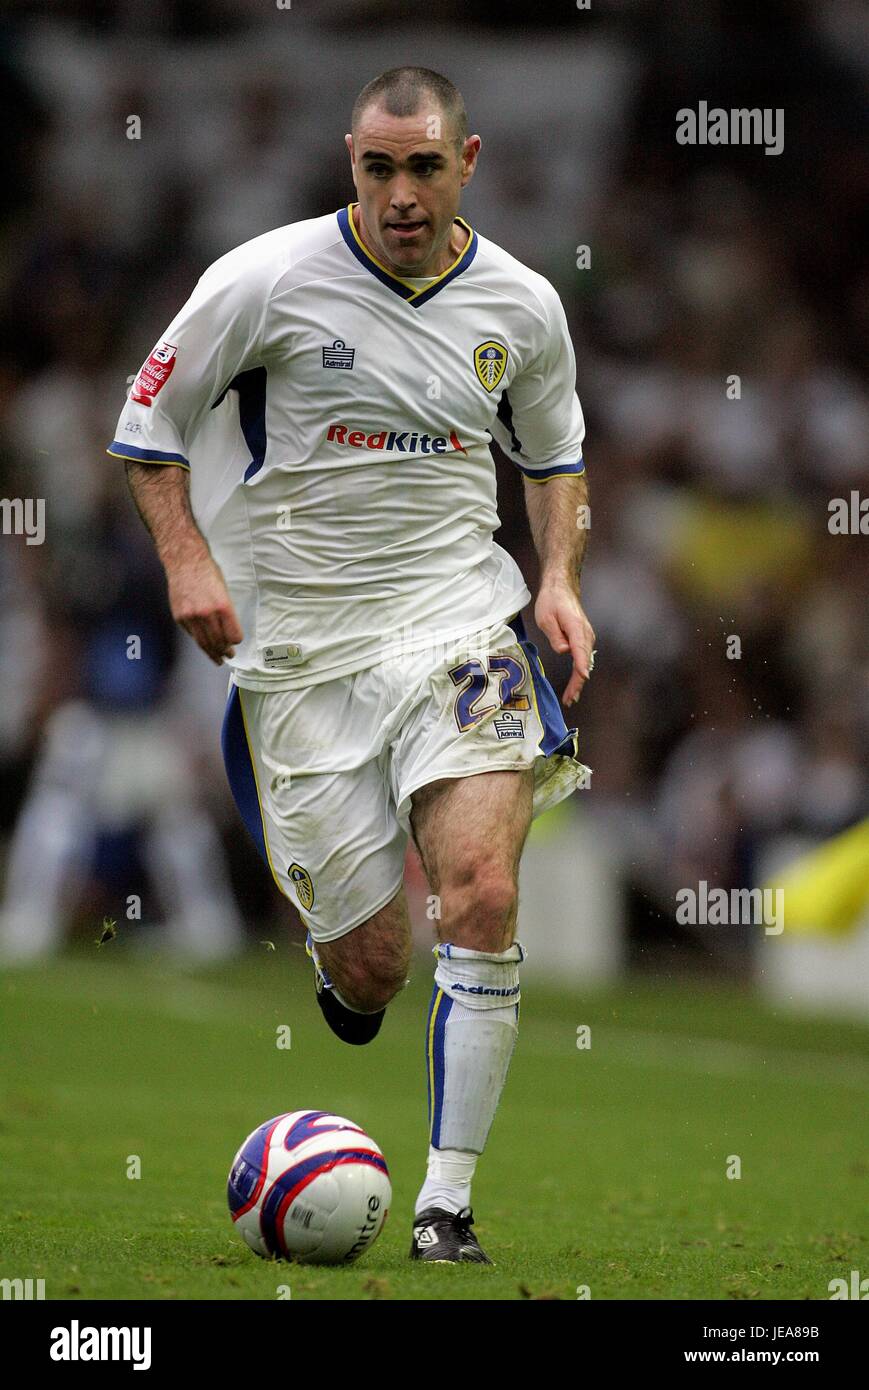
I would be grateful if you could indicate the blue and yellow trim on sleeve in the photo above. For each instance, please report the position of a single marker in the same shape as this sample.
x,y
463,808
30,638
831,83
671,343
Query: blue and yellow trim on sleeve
x,y
131,454
403,288
556,470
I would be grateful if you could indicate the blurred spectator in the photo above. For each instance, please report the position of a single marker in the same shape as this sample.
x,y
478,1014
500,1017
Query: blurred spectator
x,y
111,768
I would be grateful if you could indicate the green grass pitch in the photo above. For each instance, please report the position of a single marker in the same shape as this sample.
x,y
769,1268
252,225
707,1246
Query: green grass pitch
x,y
606,1166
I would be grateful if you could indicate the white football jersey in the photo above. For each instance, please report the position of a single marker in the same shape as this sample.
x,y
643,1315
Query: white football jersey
x,y
336,420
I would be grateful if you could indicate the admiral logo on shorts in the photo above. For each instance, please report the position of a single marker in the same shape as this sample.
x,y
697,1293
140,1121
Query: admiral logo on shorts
x,y
509,725
395,441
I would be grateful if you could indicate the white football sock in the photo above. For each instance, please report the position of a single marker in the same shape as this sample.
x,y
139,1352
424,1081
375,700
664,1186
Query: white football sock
x,y
448,1183
470,1037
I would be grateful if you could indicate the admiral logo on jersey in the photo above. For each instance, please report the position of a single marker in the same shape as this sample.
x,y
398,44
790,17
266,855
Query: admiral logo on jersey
x,y
154,375
338,355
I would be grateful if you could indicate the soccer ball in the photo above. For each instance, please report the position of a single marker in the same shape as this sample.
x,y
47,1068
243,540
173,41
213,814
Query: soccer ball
x,y
309,1186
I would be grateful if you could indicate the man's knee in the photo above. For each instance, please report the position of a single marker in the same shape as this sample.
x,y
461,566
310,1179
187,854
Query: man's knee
x,y
369,965
479,905
369,987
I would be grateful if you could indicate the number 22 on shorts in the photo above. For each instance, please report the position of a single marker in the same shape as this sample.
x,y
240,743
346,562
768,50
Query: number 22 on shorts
x,y
512,676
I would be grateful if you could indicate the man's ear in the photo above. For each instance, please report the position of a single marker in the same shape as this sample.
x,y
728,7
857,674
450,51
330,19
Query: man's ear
x,y
469,158
348,141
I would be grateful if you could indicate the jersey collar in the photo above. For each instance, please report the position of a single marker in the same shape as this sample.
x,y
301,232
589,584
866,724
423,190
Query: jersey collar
x,y
401,287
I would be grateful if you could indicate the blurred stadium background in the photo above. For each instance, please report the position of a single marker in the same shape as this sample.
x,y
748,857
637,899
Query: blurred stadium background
x,y
709,514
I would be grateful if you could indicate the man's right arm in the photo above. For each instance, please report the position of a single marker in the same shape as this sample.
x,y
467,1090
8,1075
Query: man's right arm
x,y
198,596
216,335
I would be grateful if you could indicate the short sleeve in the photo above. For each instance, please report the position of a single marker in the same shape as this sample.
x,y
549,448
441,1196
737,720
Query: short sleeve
x,y
216,335
539,424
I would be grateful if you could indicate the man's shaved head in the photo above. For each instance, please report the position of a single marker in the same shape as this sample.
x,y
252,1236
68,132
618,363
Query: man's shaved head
x,y
411,156
406,91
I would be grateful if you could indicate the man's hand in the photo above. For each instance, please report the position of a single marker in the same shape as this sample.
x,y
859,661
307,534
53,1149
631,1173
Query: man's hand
x,y
200,602
558,613
198,595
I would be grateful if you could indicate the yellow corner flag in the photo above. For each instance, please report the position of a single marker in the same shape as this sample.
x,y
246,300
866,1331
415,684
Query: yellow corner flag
x,y
827,889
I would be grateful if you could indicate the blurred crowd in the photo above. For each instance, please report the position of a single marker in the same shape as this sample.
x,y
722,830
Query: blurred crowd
x,y
721,321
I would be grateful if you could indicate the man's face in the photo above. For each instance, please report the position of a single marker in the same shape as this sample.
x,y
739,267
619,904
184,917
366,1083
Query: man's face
x,y
409,174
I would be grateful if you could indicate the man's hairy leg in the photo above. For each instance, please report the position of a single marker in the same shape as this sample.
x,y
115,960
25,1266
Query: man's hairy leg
x,y
470,832
369,965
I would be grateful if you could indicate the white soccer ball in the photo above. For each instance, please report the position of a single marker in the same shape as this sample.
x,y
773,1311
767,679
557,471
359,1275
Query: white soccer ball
x,y
309,1186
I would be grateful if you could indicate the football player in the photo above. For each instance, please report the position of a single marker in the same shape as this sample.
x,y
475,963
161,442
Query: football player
x,y
309,445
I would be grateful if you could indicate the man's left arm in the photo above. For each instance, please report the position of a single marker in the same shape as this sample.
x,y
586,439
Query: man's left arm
x,y
558,514
540,427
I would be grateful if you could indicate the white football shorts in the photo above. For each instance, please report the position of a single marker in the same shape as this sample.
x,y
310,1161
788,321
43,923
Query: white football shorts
x,y
323,776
